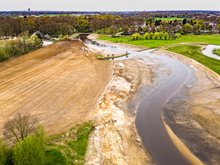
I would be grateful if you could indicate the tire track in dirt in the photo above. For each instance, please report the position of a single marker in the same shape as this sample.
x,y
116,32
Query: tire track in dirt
x,y
61,89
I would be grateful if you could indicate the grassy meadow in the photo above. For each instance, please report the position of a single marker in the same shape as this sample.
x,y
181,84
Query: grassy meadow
x,y
191,51
194,52
217,52
206,39
70,147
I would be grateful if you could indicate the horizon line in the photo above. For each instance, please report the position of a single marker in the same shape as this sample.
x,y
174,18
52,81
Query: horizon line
x,y
106,10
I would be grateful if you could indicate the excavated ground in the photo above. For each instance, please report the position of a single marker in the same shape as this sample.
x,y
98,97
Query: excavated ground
x,y
59,84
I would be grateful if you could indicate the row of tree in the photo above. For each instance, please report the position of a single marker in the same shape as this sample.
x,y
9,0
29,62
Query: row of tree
x,y
19,46
107,24
155,36
54,26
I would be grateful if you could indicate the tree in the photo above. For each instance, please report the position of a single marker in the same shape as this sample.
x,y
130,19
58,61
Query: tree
x,y
2,153
146,35
165,35
151,35
156,35
218,26
187,28
177,35
136,36
19,127
30,150
35,41
161,35
196,28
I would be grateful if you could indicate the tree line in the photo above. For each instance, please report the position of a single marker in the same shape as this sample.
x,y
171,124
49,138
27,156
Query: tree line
x,y
18,46
106,23
54,26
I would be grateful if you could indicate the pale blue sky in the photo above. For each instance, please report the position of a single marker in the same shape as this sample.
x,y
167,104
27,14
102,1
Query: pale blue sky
x,y
109,5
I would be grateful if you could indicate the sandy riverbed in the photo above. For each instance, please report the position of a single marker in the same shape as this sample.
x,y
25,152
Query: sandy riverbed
x,y
194,114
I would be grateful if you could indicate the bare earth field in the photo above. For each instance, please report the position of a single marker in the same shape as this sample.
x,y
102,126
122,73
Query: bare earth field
x,y
59,84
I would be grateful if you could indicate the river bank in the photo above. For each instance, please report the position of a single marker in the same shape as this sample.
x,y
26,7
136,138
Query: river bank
x,y
115,140
207,79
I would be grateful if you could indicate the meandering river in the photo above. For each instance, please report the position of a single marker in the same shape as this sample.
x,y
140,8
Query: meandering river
x,y
150,105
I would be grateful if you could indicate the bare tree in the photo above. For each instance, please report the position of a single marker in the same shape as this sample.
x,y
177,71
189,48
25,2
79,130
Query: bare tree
x,y
19,127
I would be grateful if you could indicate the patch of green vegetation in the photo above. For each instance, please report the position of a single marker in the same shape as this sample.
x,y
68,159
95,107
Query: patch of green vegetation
x,y
54,157
217,52
206,39
194,52
70,147
169,19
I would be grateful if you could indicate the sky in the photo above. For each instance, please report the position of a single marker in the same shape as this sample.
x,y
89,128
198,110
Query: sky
x,y
109,5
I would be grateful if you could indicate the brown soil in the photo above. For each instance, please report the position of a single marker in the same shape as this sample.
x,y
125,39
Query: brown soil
x,y
59,84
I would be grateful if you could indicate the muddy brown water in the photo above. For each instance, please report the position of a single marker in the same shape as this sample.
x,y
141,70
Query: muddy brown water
x,y
150,101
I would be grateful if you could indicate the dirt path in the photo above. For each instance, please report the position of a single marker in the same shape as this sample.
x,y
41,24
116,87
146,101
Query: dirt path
x,y
60,84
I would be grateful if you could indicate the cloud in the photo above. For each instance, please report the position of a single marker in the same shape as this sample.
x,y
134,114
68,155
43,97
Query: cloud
x,y
110,5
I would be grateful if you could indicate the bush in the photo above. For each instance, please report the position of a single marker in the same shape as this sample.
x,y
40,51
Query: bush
x,y
18,46
156,36
177,35
161,35
2,153
151,35
146,35
165,35
31,150
136,36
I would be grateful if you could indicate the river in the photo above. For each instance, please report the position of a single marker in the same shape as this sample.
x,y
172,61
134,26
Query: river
x,y
151,101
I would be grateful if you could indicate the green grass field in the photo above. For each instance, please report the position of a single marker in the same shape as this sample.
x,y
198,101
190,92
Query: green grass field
x,y
70,147
217,52
190,51
194,52
169,19
206,39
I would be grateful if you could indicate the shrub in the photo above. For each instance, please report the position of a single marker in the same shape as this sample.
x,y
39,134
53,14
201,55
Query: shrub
x,y
146,35
136,36
31,150
2,153
161,35
177,35
151,35
18,46
165,35
156,36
